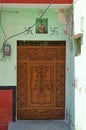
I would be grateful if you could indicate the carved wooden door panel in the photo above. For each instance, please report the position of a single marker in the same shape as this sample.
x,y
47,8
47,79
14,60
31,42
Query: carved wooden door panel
x,y
41,82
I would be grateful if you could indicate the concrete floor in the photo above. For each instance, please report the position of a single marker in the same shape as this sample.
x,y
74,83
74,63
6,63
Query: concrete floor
x,y
39,125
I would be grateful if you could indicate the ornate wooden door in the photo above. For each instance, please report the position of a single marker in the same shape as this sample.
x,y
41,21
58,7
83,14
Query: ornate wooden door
x,y
41,82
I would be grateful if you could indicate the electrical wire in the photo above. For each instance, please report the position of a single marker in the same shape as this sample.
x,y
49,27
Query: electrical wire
x,y
31,26
5,40
1,24
1,59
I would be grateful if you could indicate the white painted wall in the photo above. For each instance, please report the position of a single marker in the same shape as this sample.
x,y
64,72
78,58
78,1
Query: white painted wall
x,y
80,67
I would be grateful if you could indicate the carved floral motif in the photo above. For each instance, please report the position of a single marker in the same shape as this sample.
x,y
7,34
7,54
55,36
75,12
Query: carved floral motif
x,y
41,82
41,53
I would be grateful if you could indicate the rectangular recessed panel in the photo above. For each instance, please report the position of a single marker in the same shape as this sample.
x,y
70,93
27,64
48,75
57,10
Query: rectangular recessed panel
x,y
22,85
41,84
